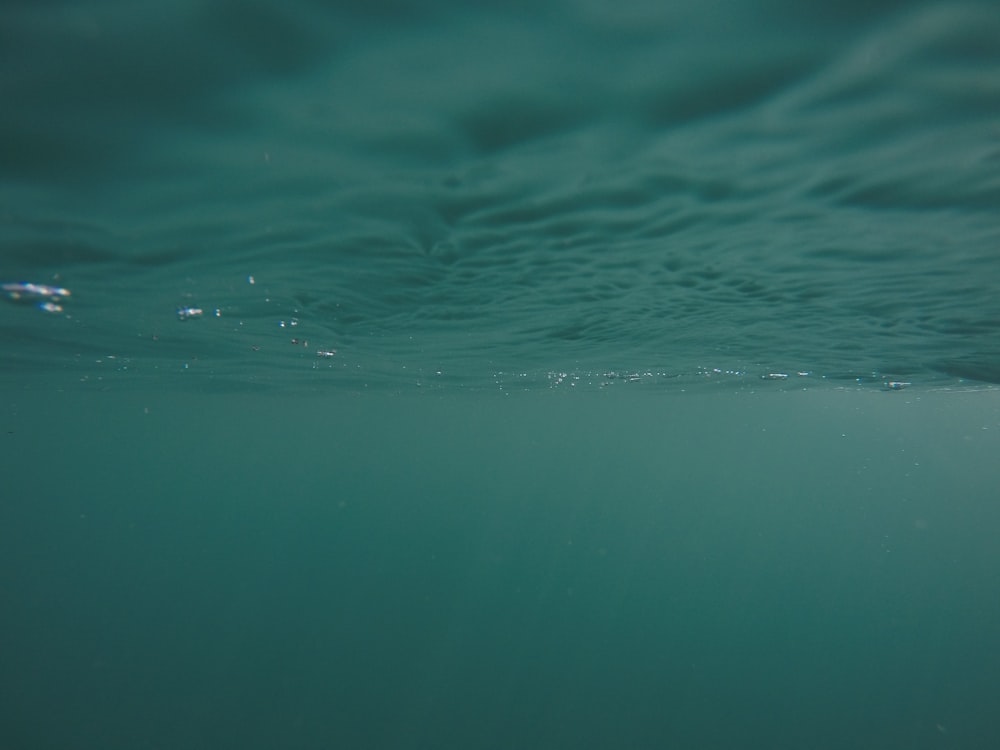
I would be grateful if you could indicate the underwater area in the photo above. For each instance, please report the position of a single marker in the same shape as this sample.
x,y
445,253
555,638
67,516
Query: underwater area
x,y
508,375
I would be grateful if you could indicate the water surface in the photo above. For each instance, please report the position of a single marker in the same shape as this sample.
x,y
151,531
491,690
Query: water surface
x,y
507,375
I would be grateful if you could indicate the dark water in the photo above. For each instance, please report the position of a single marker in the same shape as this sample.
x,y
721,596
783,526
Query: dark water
x,y
506,375
464,197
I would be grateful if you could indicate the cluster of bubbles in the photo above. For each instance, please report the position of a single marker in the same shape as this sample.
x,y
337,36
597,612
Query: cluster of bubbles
x,y
47,298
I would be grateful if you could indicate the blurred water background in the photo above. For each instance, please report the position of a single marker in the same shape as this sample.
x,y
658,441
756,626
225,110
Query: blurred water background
x,y
513,374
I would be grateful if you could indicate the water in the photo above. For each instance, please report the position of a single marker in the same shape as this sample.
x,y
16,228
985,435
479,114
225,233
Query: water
x,y
465,197
552,374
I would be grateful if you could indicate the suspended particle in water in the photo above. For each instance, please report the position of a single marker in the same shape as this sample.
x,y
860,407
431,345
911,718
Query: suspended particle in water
x,y
187,313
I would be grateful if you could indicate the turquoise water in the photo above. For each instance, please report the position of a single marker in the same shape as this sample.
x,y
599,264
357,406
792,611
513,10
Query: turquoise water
x,y
467,198
516,375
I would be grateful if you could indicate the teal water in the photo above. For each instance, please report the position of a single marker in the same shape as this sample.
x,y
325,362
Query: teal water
x,y
473,198
775,570
517,375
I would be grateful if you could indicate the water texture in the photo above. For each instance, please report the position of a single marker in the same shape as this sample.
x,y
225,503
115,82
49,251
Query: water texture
x,y
506,194
502,375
